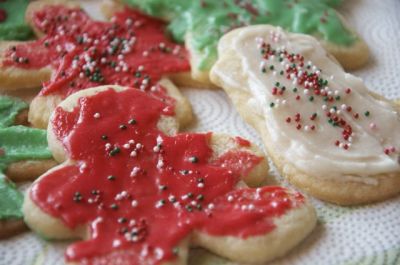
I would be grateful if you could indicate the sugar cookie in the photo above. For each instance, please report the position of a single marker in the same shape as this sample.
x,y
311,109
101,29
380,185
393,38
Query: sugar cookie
x,y
200,23
76,52
128,180
325,131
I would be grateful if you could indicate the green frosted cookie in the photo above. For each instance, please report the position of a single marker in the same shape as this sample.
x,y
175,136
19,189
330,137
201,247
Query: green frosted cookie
x,y
12,20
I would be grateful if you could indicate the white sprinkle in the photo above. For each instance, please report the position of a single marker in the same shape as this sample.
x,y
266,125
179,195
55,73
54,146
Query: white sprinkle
x,y
211,206
133,153
138,145
156,149
244,207
343,107
145,53
126,146
58,48
159,204
200,185
134,171
128,22
324,107
160,164
251,207
96,115
131,141
306,128
230,198
274,204
134,204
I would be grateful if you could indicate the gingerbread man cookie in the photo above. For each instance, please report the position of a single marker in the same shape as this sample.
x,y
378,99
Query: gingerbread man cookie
x,y
137,192
200,23
326,132
76,52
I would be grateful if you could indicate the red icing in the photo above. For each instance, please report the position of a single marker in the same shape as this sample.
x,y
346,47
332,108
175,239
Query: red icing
x,y
198,193
242,142
3,15
86,53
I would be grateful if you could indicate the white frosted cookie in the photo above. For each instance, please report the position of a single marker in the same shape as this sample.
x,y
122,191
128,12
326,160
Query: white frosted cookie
x,y
129,179
325,131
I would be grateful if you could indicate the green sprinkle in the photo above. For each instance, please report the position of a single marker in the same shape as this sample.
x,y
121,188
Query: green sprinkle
x,y
367,113
272,104
311,98
193,159
115,151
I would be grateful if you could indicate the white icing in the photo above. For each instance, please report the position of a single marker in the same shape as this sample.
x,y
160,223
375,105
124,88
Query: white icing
x,y
314,151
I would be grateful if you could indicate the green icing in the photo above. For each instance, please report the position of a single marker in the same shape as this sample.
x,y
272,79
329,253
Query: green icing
x,y
22,143
9,109
208,20
14,27
10,199
17,143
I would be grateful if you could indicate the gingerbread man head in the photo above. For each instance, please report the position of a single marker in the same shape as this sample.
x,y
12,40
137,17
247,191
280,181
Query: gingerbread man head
x,y
138,192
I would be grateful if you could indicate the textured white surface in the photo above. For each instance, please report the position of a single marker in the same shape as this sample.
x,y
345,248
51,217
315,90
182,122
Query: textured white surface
x,y
352,235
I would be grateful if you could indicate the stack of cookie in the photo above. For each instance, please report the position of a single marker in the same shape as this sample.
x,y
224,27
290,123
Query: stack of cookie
x,y
113,168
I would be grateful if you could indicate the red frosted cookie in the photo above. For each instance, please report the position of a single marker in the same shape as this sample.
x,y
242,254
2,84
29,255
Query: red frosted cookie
x,y
75,52
138,192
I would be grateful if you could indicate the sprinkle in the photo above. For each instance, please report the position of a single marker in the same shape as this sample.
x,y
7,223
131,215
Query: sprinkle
x,y
115,151
193,159
134,203
134,171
